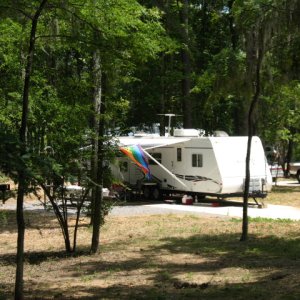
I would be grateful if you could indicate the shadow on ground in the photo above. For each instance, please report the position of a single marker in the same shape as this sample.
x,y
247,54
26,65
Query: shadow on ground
x,y
274,261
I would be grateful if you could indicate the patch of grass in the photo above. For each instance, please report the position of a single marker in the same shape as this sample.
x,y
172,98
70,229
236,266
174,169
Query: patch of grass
x,y
281,195
88,277
236,220
269,220
3,218
285,189
264,220
165,275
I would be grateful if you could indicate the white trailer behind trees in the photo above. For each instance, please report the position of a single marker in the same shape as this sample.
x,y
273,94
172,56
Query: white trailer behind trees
x,y
190,164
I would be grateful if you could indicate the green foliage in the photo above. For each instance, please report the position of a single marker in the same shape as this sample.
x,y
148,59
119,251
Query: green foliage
x,y
281,119
10,67
140,46
61,83
10,161
3,218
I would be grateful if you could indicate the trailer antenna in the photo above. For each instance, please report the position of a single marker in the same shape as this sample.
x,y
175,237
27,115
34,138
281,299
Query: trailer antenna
x,y
169,121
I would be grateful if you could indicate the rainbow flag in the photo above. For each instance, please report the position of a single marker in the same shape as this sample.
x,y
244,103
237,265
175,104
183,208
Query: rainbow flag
x,y
136,154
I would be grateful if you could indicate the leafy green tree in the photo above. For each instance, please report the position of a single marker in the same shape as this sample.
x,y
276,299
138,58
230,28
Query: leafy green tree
x,y
279,123
63,80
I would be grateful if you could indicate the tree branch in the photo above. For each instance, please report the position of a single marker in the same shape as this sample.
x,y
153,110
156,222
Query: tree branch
x,y
78,17
17,9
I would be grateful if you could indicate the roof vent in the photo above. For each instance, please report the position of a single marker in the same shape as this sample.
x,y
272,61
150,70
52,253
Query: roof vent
x,y
220,133
186,132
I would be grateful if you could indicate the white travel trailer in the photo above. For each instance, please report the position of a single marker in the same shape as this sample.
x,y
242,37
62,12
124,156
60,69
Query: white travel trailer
x,y
190,164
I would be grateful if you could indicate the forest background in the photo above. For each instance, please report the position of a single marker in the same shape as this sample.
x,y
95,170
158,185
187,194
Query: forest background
x,y
146,58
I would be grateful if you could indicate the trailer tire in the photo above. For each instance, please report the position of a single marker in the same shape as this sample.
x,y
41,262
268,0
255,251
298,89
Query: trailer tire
x,y
298,176
147,192
156,193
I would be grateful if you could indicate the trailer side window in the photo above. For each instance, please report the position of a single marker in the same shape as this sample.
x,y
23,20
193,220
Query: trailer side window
x,y
179,154
157,156
197,160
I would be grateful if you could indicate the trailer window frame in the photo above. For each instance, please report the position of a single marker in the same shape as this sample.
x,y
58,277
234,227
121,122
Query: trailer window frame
x,y
179,154
197,160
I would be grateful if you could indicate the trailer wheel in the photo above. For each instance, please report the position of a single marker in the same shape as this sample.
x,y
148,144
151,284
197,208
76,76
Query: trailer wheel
x,y
156,193
147,192
298,176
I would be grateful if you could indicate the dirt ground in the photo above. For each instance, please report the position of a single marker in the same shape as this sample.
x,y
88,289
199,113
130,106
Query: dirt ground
x,y
157,257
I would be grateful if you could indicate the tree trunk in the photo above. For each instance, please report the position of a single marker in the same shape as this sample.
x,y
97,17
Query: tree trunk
x,y
97,153
98,195
62,216
20,240
255,99
186,66
79,207
97,99
21,174
97,213
232,29
288,158
162,124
